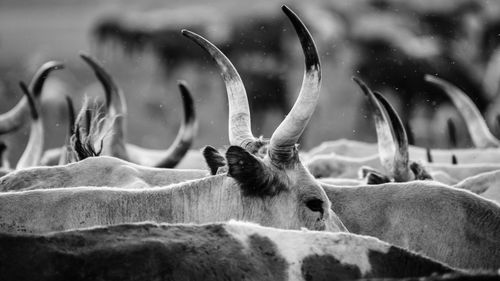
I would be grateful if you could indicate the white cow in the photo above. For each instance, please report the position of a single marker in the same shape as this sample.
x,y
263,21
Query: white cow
x,y
445,223
276,191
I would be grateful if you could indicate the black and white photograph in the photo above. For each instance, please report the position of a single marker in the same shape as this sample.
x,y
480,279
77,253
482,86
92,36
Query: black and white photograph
x,y
249,140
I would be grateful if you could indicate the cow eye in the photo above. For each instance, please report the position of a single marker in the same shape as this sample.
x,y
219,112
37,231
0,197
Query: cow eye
x,y
315,205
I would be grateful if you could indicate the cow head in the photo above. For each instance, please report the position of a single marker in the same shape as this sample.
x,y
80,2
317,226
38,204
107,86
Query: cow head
x,y
392,140
278,180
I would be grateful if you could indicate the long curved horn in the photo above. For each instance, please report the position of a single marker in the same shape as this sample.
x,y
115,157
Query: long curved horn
x,y
66,151
409,133
116,108
478,130
17,116
289,131
4,159
187,131
401,169
385,141
240,131
115,100
33,153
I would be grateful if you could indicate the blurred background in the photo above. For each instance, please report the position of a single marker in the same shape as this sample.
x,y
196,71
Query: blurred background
x,y
390,44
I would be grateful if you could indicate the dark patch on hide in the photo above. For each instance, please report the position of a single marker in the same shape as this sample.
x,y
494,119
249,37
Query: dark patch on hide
x,y
327,268
400,263
255,178
213,158
140,252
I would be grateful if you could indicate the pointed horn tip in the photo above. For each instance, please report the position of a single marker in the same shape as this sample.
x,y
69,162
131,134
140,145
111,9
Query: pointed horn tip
x,y
286,9
432,79
364,88
31,101
441,83
182,83
53,65
23,87
67,97
290,13
88,59
84,55
184,89
198,39
187,33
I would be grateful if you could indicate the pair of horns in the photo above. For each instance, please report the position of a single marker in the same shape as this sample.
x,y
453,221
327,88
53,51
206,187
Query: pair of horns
x,y
478,130
391,135
116,106
33,152
16,117
285,137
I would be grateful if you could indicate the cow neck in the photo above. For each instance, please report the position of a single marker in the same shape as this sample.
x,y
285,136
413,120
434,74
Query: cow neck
x,y
214,198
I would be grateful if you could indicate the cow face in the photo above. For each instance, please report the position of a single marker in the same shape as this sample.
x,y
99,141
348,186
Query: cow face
x,y
281,193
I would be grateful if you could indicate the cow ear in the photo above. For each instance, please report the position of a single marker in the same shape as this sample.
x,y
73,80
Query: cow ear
x,y
420,172
213,158
373,176
255,178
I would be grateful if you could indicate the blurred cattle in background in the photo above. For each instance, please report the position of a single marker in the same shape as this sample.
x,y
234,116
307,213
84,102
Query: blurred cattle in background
x,y
390,44
255,42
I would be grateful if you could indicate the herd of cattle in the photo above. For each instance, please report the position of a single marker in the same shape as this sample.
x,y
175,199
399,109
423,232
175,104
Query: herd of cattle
x,y
100,208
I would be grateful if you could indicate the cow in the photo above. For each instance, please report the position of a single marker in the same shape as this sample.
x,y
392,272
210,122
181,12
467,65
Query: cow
x,y
115,144
484,184
445,223
331,165
233,250
276,191
103,171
